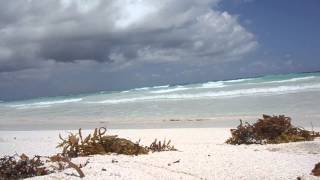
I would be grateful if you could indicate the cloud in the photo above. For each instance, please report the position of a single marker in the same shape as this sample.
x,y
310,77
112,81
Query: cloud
x,y
119,33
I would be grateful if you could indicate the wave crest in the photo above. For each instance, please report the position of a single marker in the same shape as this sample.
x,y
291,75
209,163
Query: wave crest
x,y
291,80
217,84
178,88
44,104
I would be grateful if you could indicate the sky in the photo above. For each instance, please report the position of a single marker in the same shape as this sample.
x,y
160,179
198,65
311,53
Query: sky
x,y
62,47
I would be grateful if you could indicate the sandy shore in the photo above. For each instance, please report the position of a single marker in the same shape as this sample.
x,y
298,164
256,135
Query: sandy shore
x,y
202,155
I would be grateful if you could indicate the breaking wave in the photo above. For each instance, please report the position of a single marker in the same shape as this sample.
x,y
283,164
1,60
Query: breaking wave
x,y
291,80
159,87
44,104
217,84
217,94
239,80
178,88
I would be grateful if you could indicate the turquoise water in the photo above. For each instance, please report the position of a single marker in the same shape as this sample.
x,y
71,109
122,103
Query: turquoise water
x,y
219,103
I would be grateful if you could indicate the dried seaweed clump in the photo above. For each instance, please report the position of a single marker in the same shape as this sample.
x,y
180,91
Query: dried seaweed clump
x,y
98,143
157,146
18,167
270,130
316,170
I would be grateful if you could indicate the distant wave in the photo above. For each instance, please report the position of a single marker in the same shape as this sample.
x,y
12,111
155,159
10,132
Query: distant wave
x,y
145,88
125,91
44,104
291,80
158,87
220,84
31,106
213,85
217,84
239,80
142,89
178,88
217,94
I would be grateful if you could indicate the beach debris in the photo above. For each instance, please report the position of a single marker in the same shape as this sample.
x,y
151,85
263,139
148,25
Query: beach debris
x,y
62,159
103,169
270,130
177,161
85,164
157,146
18,167
98,143
316,170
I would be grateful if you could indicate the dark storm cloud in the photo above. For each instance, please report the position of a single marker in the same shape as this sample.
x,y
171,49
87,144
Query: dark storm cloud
x,y
35,33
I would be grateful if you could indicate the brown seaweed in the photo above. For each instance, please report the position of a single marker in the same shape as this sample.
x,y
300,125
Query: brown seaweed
x,y
98,143
316,170
270,130
157,146
18,167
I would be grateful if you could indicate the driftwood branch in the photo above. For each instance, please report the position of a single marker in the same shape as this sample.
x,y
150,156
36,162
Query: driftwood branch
x,y
59,158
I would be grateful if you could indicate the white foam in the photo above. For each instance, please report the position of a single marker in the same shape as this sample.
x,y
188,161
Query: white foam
x,y
218,84
217,94
178,88
239,80
44,104
32,107
291,80
142,89
124,91
159,87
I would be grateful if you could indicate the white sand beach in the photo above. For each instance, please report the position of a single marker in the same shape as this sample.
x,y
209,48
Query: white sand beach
x,y
151,71
202,155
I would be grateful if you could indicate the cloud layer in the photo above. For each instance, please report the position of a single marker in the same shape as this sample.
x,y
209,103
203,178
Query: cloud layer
x,y
36,34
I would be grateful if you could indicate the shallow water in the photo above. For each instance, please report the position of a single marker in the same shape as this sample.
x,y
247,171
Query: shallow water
x,y
219,103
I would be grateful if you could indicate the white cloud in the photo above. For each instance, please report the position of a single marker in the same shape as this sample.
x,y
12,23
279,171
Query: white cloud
x,y
121,32
133,11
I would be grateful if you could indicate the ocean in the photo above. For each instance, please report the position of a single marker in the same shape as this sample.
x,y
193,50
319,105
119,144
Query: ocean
x,y
217,103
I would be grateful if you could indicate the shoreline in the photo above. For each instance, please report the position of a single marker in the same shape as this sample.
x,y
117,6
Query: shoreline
x,y
157,123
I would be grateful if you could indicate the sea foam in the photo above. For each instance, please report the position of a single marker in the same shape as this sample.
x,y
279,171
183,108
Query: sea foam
x,y
44,104
291,80
217,84
178,88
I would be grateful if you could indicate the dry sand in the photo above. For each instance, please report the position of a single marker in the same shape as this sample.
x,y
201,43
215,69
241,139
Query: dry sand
x,y
202,155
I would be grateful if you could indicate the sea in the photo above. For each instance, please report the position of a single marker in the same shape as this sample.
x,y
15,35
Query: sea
x,y
209,104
